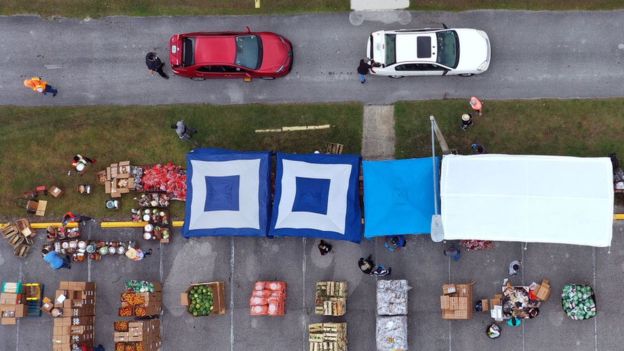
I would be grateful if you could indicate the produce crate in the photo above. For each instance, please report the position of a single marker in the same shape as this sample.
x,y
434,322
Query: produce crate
x,y
218,296
328,337
331,298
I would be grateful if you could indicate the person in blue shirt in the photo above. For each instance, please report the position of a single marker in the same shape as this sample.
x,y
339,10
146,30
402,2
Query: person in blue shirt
x,y
55,260
395,242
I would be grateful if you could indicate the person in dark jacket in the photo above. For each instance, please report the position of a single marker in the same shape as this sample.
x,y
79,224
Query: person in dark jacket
x,y
154,64
363,70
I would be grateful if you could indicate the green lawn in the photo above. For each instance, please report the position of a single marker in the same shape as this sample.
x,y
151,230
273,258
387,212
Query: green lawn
x,y
37,144
536,5
546,127
98,8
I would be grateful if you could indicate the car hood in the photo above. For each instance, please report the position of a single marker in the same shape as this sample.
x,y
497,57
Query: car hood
x,y
474,49
275,52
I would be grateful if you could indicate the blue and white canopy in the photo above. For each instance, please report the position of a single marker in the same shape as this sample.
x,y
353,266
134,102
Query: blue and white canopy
x,y
317,195
227,193
399,196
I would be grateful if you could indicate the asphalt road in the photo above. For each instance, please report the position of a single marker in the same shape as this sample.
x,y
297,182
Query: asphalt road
x,y
242,261
534,55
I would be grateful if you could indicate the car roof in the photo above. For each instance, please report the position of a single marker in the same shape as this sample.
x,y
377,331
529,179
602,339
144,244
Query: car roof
x,y
421,46
215,49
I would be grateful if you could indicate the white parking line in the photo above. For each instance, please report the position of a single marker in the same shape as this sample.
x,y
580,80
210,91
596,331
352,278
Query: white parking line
x,y
160,276
20,276
523,248
594,285
303,303
88,261
231,293
450,326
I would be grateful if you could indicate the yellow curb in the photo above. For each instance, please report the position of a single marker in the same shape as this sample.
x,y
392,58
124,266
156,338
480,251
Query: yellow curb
x,y
131,224
45,225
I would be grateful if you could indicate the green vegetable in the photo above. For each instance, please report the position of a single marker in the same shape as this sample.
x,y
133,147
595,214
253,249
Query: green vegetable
x,y
201,301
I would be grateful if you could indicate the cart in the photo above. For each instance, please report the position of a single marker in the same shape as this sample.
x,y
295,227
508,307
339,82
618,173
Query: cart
x,y
34,293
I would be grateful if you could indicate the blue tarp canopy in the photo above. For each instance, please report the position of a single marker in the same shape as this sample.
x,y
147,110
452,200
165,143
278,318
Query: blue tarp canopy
x,y
317,195
227,193
398,196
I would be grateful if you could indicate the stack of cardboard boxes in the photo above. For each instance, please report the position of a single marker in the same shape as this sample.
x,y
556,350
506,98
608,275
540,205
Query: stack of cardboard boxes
x,y
12,303
331,298
392,310
117,179
268,299
328,336
137,335
456,301
74,312
142,304
143,334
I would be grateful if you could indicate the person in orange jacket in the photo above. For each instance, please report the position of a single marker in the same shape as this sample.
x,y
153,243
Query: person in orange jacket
x,y
39,85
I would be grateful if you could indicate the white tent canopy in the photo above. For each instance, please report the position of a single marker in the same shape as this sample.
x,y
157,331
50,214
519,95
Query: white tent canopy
x,y
551,199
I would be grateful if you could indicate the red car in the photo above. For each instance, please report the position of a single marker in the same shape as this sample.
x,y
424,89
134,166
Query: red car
x,y
230,55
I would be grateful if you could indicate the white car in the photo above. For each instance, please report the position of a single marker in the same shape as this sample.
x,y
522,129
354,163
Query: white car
x,y
429,52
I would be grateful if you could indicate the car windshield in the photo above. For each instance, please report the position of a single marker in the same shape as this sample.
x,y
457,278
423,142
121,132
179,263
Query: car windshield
x,y
248,51
448,48
390,49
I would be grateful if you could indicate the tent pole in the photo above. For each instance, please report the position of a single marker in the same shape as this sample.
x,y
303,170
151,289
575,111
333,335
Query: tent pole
x,y
440,136
435,191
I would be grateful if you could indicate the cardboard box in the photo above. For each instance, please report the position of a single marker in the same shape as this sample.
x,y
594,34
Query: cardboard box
x,y
445,302
55,191
8,321
121,336
448,289
218,292
10,298
41,208
458,304
485,306
543,290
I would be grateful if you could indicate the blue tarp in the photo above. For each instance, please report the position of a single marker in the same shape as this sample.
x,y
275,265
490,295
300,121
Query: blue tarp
x,y
398,196
227,193
317,195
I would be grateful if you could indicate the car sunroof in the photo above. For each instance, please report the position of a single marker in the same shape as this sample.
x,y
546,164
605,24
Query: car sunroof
x,y
423,47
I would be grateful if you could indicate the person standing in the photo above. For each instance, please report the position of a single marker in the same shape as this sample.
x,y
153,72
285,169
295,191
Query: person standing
x,y
514,267
395,242
453,253
476,105
154,64
40,86
183,131
80,162
466,119
363,69
477,149
55,260
366,264
324,247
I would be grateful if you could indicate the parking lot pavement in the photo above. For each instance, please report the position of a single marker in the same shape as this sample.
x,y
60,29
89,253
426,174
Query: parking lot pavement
x,y
241,261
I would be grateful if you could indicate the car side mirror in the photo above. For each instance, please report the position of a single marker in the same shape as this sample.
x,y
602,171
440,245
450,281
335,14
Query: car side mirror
x,y
445,26
248,29
247,78
445,72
